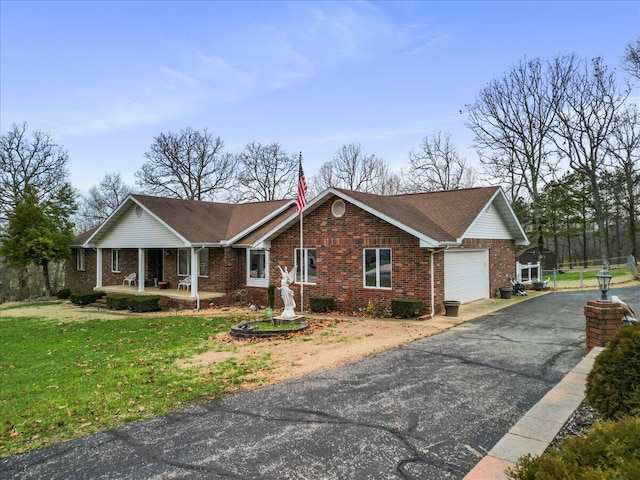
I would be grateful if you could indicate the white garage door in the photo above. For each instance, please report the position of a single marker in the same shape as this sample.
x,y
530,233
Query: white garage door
x,y
466,275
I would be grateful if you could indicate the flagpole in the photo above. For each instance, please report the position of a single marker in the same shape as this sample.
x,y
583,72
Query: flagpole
x,y
301,202
301,264
301,254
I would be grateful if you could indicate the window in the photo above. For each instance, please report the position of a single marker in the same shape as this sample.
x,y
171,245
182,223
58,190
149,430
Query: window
x,y
257,267
203,262
377,267
115,260
184,262
308,262
79,258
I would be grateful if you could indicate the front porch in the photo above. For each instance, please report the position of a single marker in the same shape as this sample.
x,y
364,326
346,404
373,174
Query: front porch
x,y
183,295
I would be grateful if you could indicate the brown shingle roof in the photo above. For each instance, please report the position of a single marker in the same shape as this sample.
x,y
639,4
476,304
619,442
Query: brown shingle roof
x,y
442,216
208,222
453,210
254,235
79,239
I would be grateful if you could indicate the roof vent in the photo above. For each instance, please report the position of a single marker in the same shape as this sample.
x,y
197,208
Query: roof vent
x,y
338,208
138,211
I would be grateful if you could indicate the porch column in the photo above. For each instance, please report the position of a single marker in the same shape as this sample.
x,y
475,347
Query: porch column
x,y
98,268
141,269
195,268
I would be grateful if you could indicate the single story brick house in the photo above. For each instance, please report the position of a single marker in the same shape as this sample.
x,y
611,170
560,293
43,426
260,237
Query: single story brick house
x,y
357,247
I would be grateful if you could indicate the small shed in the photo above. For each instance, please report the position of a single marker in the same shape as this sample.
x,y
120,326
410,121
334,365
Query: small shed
x,y
531,255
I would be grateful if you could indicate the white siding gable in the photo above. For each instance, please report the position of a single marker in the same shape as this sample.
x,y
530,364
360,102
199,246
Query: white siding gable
x,y
489,224
137,229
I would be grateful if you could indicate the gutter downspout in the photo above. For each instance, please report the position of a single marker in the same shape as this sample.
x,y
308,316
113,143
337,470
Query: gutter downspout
x,y
197,293
433,288
433,293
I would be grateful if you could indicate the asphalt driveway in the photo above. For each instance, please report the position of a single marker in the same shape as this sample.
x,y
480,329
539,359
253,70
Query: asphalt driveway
x,y
427,410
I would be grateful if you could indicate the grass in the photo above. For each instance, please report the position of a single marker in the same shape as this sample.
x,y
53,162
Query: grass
x,y
589,274
64,379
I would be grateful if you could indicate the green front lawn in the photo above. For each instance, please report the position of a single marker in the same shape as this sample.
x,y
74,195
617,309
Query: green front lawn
x,y
65,379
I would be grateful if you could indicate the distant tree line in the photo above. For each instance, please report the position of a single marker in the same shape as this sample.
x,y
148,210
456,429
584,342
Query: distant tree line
x,y
194,165
564,128
559,135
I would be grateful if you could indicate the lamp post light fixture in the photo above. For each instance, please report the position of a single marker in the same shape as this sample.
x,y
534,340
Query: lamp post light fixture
x,y
604,280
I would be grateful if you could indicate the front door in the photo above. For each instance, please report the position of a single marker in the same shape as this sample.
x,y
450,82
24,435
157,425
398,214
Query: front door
x,y
155,273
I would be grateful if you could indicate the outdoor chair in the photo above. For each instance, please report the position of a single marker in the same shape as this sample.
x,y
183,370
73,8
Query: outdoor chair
x,y
186,283
130,279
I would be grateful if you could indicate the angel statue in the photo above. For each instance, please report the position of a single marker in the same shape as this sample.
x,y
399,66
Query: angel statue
x,y
286,292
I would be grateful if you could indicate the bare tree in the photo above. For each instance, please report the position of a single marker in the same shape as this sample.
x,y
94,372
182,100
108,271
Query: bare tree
x,y
631,59
265,172
390,184
586,121
33,169
33,162
190,165
102,200
513,121
353,170
624,148
437,165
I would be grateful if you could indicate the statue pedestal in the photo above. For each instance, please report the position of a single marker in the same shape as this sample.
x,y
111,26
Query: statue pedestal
x,y
280,320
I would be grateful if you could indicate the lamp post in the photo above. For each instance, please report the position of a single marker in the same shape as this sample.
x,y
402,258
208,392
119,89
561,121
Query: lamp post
x,y
604,280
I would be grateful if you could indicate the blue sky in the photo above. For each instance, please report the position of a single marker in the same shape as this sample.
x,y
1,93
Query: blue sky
x,y
104,77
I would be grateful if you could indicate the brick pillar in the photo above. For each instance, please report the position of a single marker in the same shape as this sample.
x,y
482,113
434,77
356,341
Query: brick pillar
x,y
603,319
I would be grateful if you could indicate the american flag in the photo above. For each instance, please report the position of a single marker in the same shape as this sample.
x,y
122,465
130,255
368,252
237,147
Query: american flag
x,y
301,202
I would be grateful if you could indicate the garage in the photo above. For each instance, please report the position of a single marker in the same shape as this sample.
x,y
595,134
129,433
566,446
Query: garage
x,y
466,275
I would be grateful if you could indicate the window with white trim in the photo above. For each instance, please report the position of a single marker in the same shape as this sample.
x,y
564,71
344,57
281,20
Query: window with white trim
x,y
80,259
306,274
257,268
115,260
184,262
377,267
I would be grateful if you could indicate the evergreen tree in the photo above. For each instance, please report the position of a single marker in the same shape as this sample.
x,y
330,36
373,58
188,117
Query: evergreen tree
x,y
39,232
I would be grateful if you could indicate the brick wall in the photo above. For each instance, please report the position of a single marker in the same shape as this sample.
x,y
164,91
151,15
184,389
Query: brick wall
x,y
603,320
82,280
339,244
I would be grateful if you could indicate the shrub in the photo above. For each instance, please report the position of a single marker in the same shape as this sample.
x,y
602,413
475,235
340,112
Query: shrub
x,y
144,303
85,298
613,385
322,304
370,309
118,302
271,296
406,308
63,294
166,303
609,450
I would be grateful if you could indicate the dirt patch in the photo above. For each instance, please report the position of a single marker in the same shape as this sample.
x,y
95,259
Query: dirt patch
x,y
327,343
